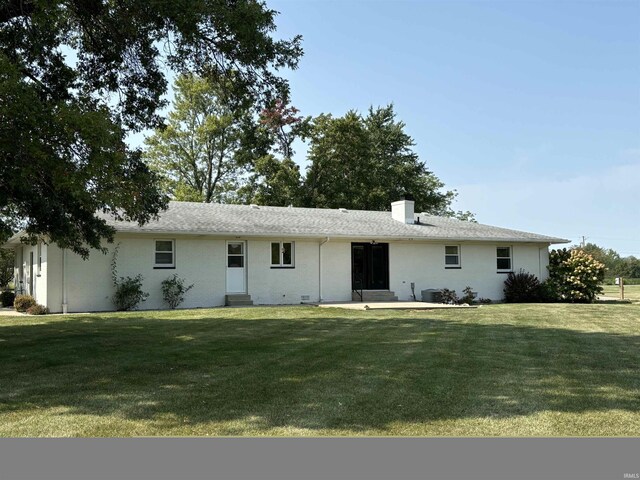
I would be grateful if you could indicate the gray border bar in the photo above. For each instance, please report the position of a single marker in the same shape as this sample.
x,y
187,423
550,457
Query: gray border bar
x,y
320,458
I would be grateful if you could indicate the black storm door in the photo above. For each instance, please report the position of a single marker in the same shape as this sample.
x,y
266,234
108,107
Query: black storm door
x,y
370,266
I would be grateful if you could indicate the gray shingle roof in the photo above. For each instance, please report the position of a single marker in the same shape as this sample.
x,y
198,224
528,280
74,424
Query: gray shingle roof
x,y
247,220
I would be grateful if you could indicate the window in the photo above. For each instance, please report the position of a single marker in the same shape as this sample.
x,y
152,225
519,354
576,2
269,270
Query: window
x,y
452,256
235,255
39,258
282,254
503,255
165,254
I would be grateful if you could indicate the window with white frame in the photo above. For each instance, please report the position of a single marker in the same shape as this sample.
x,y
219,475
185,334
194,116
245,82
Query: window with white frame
x,y
282,254
452,256
39,258
165,254
503,258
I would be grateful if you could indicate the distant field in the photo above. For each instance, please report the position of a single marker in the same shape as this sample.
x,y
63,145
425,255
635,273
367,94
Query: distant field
x,y
632,292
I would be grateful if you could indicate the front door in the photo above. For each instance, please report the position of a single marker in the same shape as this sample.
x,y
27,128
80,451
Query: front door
x,y
236,278
370,266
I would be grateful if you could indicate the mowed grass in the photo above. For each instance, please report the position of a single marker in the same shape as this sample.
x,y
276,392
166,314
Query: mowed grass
x,y
631,292
499,370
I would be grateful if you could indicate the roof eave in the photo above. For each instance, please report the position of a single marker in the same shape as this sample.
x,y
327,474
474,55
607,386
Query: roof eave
x,y
341,236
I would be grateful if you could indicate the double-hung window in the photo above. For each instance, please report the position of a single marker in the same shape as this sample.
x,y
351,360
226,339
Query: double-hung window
x,y
165,254
503,259
282,254
452,256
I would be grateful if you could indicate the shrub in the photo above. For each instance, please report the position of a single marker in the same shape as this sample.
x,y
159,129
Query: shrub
x,y
485,301
173,291
522,287
38,310
574,276
129,292
469,296
23,302
449,296
7,298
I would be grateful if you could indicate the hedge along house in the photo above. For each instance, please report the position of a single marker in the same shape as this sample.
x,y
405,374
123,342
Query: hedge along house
x,y
238,254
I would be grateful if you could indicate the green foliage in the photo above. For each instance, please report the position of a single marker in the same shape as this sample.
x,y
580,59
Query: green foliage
x,y
469,296
128,290
199,153
367,163
22,302
63,155
7,298
616,265
522,287
274,182
38,310
174,290
574,276
627,281
449,297
129,294
6,267
275,178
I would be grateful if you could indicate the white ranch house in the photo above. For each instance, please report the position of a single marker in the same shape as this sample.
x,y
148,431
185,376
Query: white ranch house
x,y
237,254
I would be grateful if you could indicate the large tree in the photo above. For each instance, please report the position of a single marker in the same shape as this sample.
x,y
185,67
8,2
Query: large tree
x,y
275,177
368,162
199,153
616,265
77,76
6,267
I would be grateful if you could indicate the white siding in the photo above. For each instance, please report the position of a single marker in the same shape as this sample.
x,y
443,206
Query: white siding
x,y
268,285
424,265
202,261
336,271
22,272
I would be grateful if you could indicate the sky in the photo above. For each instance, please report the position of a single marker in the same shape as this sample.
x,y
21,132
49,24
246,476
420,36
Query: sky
x,y
530,110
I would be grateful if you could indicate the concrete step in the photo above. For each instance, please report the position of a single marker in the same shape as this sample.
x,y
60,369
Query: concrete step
x,y
375,296
237,300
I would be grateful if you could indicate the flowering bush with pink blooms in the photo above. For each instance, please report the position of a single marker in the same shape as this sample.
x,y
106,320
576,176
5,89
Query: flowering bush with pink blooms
x,y
574,276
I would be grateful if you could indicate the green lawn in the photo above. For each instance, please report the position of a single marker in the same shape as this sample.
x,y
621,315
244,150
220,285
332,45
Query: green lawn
x,y
509,370
631,292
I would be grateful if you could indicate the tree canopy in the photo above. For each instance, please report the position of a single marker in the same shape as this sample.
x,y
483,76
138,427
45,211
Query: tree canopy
x,y
77,76
616,265
199,153
369,162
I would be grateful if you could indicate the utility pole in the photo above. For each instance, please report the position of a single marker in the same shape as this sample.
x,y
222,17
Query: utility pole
x,y
582,245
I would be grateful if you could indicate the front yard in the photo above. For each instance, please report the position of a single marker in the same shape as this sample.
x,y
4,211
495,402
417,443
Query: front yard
x,y
509,370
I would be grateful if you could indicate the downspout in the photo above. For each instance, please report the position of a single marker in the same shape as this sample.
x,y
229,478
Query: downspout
x,y
320,268
64,280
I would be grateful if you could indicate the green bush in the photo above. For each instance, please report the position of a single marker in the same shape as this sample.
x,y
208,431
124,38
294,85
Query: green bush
x,y
129,293
6,298
522,287
449,297
173,291
23,302
469,296
574,276
38,310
